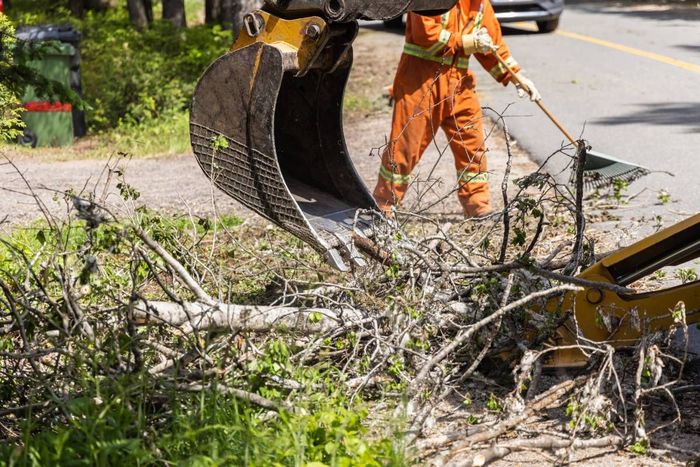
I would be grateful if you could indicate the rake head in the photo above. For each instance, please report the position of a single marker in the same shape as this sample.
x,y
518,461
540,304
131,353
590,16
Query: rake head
x,y
602,170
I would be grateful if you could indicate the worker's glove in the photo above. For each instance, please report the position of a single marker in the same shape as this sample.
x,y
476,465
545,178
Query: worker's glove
x,y
534,93
482,41
478,42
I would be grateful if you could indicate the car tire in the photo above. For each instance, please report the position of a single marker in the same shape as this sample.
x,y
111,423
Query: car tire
x,y
28,138
394,23
547,26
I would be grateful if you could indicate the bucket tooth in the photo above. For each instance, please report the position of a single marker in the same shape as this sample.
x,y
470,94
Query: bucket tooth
x,y
350,251
335,259
273,140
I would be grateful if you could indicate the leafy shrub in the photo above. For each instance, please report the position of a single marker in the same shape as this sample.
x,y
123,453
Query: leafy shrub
x,y
10,110
129,77
96,406
113,425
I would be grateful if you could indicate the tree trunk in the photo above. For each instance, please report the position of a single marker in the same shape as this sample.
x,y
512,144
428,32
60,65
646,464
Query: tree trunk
x,y
77,8
196,316
240,8
174,11
235,11
97,5
212,11
140,12
227,12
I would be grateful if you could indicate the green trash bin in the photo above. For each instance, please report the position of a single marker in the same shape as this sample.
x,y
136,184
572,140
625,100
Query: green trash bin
x,y
50,123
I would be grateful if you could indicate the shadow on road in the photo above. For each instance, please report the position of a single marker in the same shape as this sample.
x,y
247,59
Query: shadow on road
x,y
645,10
685,114
688,47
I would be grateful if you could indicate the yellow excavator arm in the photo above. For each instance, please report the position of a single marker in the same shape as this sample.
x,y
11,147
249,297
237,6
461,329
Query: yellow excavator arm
x,y
602,315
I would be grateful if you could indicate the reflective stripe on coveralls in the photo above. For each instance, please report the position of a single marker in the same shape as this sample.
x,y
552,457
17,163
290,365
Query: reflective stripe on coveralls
x,y
394,178
432,52
473,177
499,70
415,51
479,18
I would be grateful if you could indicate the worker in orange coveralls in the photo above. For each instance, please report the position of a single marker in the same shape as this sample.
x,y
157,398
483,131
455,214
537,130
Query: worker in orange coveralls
x,y
434,88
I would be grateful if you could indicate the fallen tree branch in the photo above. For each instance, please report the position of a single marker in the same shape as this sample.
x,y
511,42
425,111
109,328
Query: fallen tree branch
x,y
686,389
464,336
256,399
500,451
547,399
535,269
225,317
189,281
577,252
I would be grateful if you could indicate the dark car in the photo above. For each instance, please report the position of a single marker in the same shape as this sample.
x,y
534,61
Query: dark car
x,y
545,13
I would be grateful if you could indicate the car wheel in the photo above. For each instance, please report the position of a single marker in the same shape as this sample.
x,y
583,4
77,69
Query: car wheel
x,y
548,26
394,23
28,138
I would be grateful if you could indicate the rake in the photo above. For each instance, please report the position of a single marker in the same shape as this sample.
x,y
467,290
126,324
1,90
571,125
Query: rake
x,y
600,170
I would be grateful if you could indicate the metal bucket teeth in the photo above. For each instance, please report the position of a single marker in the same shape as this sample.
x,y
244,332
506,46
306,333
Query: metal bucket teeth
x,y
274,142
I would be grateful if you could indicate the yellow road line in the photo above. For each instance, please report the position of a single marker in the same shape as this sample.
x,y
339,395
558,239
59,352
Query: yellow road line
x,y
631,50
622,48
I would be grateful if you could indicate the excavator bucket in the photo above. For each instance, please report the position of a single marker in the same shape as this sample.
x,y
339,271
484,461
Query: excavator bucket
x,y
266,120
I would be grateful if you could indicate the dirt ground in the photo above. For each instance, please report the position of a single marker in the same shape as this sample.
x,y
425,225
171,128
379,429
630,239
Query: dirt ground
x,y
177,185
452,417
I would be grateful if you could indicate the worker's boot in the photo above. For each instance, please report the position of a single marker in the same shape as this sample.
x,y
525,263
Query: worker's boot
x,y
479,213
475,200
388,195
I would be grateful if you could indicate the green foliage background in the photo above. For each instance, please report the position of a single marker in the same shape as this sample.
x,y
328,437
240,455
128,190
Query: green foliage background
x,y
137,85
10,110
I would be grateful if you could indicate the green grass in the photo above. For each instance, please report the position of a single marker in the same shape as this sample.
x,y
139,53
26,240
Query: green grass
x,y
164,136
115,425
362,104
108,416
167,135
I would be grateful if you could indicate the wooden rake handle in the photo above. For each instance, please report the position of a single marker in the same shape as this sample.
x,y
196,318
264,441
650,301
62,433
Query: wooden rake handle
x,y
539,102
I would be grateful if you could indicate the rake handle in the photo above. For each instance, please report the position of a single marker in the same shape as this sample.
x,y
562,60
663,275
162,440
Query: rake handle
x,y
539,102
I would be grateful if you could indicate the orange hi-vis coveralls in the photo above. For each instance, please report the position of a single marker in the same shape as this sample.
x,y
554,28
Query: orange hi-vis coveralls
x,y
434,88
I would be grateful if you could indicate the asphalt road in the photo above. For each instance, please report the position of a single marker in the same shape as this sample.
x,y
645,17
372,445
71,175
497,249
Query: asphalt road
x,y
625,77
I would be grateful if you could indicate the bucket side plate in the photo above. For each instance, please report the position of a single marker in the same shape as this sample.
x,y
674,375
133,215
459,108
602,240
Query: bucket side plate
x,y
232,134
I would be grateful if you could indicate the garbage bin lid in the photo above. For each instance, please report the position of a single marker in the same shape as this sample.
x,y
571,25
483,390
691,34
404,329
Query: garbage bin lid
x,y
59,48
49,32
53,48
